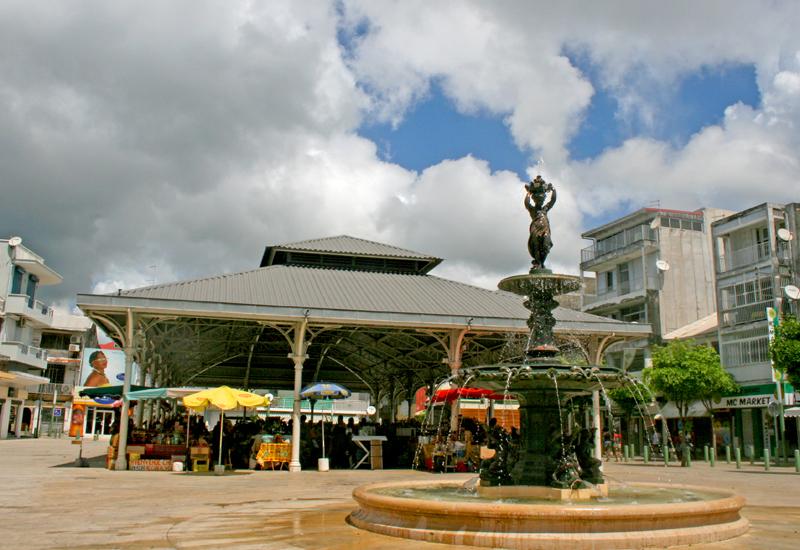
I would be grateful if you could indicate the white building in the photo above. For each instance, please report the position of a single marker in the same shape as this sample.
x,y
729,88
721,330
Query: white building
x,y
756,257
652,266
22,319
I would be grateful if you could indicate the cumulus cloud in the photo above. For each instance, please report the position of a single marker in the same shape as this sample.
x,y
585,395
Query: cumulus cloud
x,y
188,135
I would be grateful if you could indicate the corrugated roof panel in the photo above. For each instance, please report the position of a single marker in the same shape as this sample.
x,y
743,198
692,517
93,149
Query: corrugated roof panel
x,y
345,244
293,286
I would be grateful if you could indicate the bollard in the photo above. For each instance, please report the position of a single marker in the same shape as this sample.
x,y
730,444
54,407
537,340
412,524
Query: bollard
x,y
766,459
752,454
688,458
728,454
625,453
646,454
705,453
666,455
738,454
713,456
797,460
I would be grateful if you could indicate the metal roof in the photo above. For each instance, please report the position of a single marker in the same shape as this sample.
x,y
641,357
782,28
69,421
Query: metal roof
x,y
345,244
370,296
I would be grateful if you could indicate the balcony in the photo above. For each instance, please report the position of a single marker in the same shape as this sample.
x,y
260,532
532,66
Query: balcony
x,y
55,389
34,311
612,249
743,315
630,289
743,257
25,354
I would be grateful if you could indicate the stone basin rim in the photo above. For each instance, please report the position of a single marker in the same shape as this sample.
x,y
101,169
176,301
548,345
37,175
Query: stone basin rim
x,y
594,511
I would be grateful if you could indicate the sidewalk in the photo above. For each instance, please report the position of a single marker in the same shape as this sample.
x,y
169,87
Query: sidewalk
x,y
48,503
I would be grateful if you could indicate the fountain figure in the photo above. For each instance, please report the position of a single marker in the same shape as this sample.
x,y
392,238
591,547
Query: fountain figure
x,y
516,503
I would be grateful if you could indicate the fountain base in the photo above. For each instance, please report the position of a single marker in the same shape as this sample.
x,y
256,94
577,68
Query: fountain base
x,y
544,493
384,508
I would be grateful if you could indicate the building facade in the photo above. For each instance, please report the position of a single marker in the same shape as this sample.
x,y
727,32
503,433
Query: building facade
x,y
756,258
652,266
22,318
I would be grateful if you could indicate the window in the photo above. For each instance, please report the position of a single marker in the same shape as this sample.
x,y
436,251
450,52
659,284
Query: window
x,y
624,278
609,280
634,314
762,242
55,373
16,280
31,291
682,223
55,341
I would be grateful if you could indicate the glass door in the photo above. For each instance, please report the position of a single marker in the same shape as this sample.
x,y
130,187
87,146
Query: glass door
x,y
98,421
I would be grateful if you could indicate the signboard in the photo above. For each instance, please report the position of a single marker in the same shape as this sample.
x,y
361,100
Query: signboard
x,y
102,367
751,401
57,412
772,324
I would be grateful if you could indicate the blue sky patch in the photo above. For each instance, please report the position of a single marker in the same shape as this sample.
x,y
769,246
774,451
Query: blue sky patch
x,y
696,100
433,130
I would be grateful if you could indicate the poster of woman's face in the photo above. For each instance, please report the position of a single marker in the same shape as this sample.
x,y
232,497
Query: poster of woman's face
x,y
103,367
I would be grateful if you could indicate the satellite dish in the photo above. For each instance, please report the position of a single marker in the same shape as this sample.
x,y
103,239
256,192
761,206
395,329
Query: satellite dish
x,y
784,234
792,292
662,265
14,241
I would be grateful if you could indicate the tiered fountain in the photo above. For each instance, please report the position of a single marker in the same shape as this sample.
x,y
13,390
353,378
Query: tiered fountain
x,y
551,492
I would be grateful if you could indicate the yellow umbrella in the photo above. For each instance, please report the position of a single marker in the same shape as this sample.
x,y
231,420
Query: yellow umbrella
x,y
225,399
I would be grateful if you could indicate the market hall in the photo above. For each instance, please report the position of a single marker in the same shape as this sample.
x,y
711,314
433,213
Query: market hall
x,y
359,313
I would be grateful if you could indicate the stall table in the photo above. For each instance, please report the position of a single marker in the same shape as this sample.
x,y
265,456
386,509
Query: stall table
x,y
375,450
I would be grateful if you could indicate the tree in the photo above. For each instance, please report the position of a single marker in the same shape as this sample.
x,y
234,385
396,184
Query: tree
x,y
785,349
633,399
684,372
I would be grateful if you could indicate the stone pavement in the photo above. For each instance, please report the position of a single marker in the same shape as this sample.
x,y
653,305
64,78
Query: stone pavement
x,y
45,502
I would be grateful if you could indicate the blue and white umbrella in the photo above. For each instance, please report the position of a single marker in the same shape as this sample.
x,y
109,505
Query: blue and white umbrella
x,y
323,390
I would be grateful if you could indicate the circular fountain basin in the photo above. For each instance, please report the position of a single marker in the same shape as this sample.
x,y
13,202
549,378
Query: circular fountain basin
x,y
633,516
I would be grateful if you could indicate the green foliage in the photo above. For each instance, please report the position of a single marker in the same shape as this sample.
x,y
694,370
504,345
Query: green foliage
x,y
631,397
684,372
785,349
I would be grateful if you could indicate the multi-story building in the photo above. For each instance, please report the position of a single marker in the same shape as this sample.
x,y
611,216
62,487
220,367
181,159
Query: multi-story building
x,y
652,266
22,319
64,342
756,258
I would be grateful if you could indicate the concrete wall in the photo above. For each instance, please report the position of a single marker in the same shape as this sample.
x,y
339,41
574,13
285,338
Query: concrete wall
x,y
687,289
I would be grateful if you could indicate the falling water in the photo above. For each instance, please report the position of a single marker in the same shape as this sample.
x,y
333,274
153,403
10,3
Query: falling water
x,y
554,377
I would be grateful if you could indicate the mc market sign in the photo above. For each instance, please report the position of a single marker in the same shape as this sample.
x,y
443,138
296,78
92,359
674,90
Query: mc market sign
x,y
750,401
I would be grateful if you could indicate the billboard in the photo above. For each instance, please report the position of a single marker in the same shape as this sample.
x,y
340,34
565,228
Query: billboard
x,y
103,367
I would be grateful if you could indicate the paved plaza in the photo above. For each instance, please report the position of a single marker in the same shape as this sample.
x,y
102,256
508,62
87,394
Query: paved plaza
x,y
46,502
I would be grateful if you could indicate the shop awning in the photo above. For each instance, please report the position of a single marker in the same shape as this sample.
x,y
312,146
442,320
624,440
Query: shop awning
x,y
109,391
696,409
792,411
161,393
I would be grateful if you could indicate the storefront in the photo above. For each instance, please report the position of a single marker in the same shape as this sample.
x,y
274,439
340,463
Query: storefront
x,y
16,411
752,419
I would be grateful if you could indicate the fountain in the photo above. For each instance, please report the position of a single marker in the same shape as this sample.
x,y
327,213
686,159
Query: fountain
x,y
550,492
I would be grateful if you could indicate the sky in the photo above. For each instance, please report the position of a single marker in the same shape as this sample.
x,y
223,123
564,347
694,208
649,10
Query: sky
x,y
150,142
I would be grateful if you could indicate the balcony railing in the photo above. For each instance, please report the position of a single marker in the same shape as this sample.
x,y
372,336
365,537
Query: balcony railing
x,y
743,257
633,285
54,387
746,314
24,353
21,304
618,242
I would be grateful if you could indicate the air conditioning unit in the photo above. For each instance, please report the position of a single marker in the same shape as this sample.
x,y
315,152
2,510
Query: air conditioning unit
x,y
75,348
74,338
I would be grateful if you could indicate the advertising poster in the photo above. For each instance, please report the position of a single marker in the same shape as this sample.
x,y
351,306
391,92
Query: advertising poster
x,y
102,367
